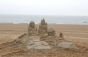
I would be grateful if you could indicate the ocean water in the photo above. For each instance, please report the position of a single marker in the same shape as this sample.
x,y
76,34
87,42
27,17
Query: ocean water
x,y
49,19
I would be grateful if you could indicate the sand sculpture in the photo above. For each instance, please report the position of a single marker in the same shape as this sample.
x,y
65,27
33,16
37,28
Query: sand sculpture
x,y
46,34
43,33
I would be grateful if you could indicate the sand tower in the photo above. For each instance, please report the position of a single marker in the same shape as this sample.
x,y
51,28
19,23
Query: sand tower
x,y
32,30
42,27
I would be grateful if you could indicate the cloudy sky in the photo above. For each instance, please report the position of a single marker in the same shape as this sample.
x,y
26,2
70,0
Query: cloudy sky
x,y
45,7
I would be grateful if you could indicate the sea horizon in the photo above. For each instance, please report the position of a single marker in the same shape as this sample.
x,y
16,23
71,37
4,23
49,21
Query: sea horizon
x,y
51,19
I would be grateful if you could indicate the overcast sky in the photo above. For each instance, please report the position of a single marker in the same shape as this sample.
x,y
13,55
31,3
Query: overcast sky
x,y
45,7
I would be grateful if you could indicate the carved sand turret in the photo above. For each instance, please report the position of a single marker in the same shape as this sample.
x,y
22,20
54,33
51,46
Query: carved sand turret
x,y
42,27
32,30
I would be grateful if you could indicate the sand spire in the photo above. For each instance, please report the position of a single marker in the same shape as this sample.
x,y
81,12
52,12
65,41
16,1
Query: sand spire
x,y
31,28
42,27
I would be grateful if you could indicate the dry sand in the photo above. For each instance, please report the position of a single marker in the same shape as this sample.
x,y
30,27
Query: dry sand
x,y
75,33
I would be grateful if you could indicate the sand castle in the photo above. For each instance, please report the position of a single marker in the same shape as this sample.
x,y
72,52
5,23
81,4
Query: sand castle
x,y
48,35
45,34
